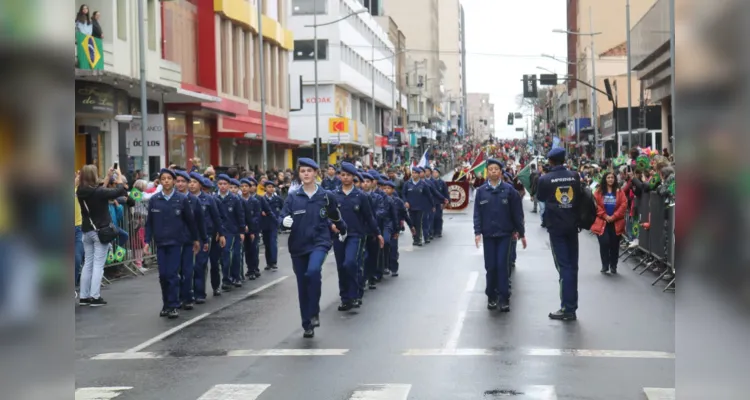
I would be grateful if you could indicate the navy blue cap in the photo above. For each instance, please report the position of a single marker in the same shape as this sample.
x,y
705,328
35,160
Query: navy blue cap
x,y
415,169
223,177
367,176
389,183
496,162
427,167
269,182
182,174
375,174
195,175
349,168
167,171
420,169
252,180
307,162
234,182
246,181
557,154
358,177
206,183
436,169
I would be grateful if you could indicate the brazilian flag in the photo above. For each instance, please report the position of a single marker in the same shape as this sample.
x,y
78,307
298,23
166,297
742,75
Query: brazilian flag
x,y
90,52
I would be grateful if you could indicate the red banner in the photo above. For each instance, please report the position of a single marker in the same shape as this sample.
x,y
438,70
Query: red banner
x,y
458,195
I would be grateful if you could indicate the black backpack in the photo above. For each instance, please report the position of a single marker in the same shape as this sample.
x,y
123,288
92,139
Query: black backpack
x,y
586,208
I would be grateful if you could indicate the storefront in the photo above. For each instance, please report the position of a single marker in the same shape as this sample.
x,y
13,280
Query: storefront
x,y
96,105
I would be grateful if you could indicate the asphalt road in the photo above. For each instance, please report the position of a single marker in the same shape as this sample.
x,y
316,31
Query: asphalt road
x,y
424,335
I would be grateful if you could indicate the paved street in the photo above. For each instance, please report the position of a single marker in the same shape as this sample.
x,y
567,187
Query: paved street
x,y
424,335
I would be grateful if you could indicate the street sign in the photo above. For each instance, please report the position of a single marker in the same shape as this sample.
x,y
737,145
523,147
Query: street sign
x,y
519,129
338,125
518,115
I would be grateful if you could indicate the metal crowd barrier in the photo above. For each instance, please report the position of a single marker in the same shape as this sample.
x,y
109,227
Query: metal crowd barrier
x,y
655,240
133,223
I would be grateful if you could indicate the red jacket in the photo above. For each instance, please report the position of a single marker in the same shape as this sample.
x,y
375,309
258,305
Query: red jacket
x,y
621,207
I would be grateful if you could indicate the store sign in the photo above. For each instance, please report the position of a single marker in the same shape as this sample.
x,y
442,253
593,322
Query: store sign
x,y
94,98
311,100
154,137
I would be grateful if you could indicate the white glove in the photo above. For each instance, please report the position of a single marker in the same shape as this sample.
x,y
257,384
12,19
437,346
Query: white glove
x,y
342,237
287,222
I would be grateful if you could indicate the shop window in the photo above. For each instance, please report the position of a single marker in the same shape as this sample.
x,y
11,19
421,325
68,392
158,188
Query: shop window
x,y
177,139
122,19
309,7
303,50
202,140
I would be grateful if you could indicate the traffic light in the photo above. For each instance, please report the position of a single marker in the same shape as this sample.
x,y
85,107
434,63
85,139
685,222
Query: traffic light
x,y
510,118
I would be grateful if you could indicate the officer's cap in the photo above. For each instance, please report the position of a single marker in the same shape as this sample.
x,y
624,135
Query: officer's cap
x,y
349,168
195,175
167,171
223,177
307,162
415,169
375,174
427,168
252,180
367,176
182,174
269,183
557,154
246,181
496,162
358,178
206,183
234,182
436,170
389,183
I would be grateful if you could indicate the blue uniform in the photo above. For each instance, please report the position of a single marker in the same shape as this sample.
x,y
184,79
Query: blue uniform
x,y
309,243
437,225
373,253
187,269
233,218
559,190
419,197
437,200
214,229
356,210
252,253
498,213
389,227
171,226
270,227
403,216
331,184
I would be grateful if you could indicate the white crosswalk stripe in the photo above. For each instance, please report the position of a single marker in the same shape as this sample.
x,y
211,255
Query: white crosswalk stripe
x,y
100,393
381,392
660,393
234,392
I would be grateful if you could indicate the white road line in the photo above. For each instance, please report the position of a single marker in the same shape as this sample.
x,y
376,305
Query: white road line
x,y
143,355
660,393
539,392
234,392
452,341
449,352
287,352
389,391
100,393
472,283
185,324
542,353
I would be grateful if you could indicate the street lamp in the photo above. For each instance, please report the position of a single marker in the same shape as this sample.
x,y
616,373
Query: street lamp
x,y
578,97
315,26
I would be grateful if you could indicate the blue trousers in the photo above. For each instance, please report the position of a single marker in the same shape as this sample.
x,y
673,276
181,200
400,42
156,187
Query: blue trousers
x,y
215,255
230,259
394,255
513,250
307,269
199,272
271,242
252,253
347,264
372,260
417,217
437,226
169,259
497,265
187,268
428,218
565,253
361,257
79,253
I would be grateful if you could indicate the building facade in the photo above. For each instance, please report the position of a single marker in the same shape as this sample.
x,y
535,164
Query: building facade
x,y
451,53
480,116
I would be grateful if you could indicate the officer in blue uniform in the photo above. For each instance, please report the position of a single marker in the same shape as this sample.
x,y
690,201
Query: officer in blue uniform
x,y
270,225
498,214
214,230
401,216
233,218
171,225
357,212
559,190
252,218
331,182
235,270
437,201
417,199
187,297
442,188
365,186
373,249
310,213
389,227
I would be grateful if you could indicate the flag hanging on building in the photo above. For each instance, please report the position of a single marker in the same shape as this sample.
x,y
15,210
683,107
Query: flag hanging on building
x,y
90,52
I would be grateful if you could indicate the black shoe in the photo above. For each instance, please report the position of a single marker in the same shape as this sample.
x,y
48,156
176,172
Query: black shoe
x,y
315,321
613,270
251,277
267,268
257,274
309,333
84,302
562,315
386,272
427,241
439,235
346,306
188,306
237,284
97,302
492,305
173,313
226,288
505,307
533,211
604,270
378,279
357,303
217,293
200,301
164,312
372,286
394,274
418,244
274,267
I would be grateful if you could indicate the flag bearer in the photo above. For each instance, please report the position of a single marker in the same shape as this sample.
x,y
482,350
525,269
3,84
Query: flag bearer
x,y
171,226
214,229
187,268
498,213
417,199
356,211
403,216
252,231
310,213
442,188
232,214
270,225
372,247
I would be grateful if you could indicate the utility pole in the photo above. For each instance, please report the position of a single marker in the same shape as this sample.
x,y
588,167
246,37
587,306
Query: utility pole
x,y
315,62
594,119
144,100
374,119
262,71
630,108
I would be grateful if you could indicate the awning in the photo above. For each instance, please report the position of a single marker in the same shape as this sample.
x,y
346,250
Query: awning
x,y
189,96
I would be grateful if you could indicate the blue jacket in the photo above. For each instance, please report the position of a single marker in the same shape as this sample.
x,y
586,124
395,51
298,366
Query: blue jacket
x,y
559,189
252,214
403,215
442,188
200,220
418,195
389,223
356,209
498,211
437,197
311,229
331,184
232,213
170,222
211,215
272,210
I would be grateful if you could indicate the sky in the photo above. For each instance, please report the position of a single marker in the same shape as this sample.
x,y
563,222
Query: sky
x,y
505,40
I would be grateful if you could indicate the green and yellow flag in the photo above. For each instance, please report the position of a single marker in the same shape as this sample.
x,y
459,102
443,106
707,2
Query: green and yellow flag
x,y
90,52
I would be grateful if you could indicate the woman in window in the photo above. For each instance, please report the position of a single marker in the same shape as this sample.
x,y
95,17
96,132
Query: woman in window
x,y
611,206
96,28
83,21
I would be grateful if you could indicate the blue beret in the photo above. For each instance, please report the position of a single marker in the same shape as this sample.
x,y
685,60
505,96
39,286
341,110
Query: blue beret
x,y
197,176
234,182
246,181
507,175
358,177
436,169
415,169
182,174
206,183
307,162
349,168
223,177
252,180
427,167
367,176
496,162
389,183
375,174
557,153
420,169
167,171
269,182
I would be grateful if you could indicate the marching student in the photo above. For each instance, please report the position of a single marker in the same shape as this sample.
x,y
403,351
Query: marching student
x,y
252,231
171,225
331,182
355,209
233,219
235,269
310,213
187,268
403,216
498,214
372,246
417,199
214,230
442,188
389,227
270,225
